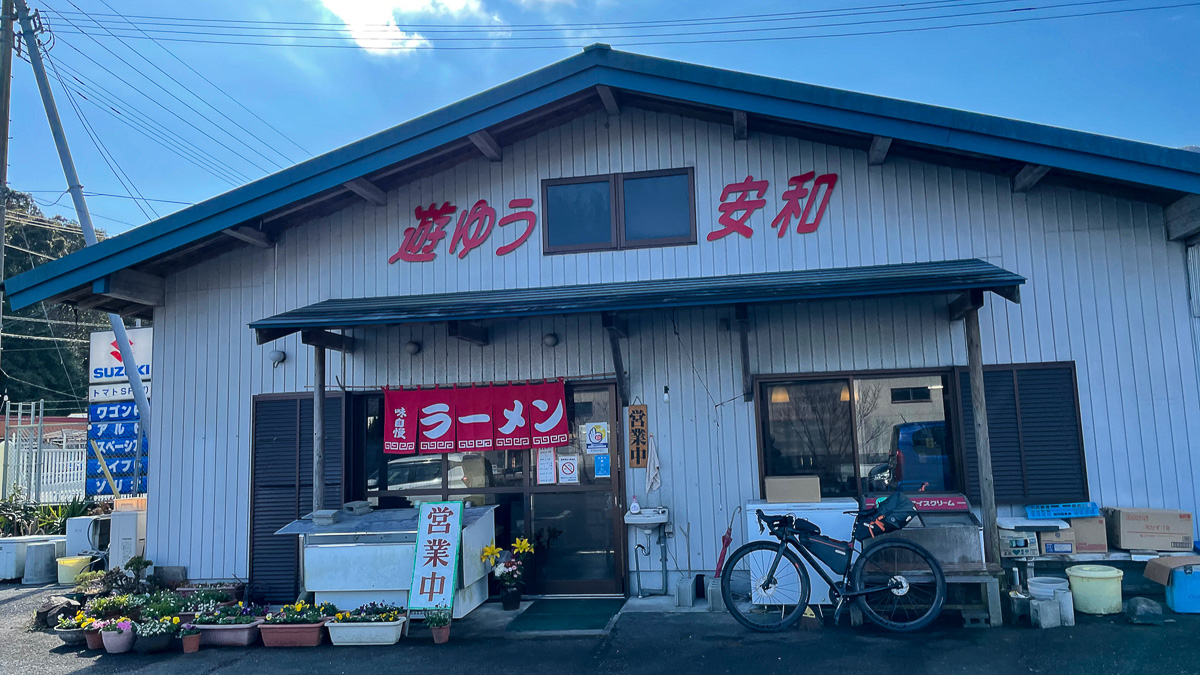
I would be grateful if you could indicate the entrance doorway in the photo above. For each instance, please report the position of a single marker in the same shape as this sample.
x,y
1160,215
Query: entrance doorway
x,y
576,527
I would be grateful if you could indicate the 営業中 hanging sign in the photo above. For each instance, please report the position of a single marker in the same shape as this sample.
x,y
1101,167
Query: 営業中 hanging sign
x,y
489,417
435,563
639,437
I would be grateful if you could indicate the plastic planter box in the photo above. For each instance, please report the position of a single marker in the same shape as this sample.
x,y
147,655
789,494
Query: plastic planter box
x,y
293,634
366,633
230,635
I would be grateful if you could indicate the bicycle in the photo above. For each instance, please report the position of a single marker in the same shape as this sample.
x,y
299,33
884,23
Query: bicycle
x,y
896,583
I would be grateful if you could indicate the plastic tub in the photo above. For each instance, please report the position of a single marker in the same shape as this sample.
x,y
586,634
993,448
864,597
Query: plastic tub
x,y
1097,588
70,567
1043,588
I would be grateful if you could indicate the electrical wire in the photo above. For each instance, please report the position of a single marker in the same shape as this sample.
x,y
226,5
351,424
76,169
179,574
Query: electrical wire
x,y
50,327
224,93
692,34
118,172
25,250
154,99
75,397
170,77
129,114
55,321
43,338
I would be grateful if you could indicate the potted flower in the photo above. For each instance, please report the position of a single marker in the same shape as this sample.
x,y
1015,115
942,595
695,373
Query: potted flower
x,y
229,626
509,568
70,629
189,604
230,588
189,635
155,635
117,634
370,624
438,620
295,625
91,632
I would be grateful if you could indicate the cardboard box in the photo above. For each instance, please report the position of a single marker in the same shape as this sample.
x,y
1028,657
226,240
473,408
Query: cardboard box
x,y
1059,542
1091,534
1018,544
793,489
1153,529
1159,569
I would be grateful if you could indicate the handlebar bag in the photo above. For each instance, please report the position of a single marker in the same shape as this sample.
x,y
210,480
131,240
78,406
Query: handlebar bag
x,y
891,513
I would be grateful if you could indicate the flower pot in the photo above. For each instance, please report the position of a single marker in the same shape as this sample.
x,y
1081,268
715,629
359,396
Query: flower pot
x,y
186,617
293,634
441,634
191,643
510,598
117,643
71,636
93,639
148,644
230,635
366,633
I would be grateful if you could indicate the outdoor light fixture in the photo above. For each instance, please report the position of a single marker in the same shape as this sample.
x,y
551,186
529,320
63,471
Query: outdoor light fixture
x,y
277,357
550,339
412,347
666,394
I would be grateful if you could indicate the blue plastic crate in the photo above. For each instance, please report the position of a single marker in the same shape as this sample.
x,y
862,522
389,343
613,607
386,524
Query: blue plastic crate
x,y
1074,510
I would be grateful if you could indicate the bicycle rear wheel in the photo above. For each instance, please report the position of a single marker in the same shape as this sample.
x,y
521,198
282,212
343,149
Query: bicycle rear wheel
x,y
909,587
756,604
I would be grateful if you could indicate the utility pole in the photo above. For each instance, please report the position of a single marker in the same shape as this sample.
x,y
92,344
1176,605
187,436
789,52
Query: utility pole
x,y
81,209
6,50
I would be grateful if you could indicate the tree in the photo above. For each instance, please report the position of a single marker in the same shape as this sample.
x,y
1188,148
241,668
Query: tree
x,y
44,347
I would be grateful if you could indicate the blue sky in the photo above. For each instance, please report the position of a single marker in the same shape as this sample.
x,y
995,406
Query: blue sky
x,y
1133,75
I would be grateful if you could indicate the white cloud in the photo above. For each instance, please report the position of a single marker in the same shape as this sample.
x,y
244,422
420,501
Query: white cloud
x,y
373,26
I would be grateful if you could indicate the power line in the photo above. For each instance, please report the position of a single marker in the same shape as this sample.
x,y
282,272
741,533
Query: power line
x,y
8,317
43,338
129,115
74,396
50,327
88,193
201,99
778,38
155,100
118,172
25,250
224,93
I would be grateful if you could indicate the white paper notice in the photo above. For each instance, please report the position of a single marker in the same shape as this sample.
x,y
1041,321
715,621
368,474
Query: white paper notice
x,y
546,468
595,437
568,470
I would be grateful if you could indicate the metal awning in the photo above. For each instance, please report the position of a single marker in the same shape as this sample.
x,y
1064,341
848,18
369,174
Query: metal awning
x,y
940,277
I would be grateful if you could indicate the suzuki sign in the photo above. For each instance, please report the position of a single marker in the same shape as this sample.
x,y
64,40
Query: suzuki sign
x,y
105,362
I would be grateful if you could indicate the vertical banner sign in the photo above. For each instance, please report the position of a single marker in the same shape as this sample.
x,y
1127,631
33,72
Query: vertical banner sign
x,y
435,564
473,410
400,422
639,437
511,419
436,420
549,414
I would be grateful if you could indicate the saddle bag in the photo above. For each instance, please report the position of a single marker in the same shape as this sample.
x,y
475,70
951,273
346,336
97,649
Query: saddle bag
x,y
891,513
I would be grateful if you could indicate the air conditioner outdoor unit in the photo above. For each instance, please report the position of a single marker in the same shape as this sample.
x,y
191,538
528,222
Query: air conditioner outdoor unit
x,y
127,537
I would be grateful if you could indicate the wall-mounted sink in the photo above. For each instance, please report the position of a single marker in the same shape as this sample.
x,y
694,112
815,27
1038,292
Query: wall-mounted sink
x,y
647,518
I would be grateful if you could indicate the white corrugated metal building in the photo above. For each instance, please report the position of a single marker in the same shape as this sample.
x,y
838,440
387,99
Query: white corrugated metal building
x,y
930,209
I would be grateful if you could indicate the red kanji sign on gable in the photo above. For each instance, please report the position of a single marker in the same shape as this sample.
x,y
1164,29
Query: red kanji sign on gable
x,y
510,405
797,192
473,411
735,213
435,420
400,421
548,415
420,241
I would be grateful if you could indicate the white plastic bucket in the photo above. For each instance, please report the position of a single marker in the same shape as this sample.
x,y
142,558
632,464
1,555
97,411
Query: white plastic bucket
x,y
1043,588
1097,588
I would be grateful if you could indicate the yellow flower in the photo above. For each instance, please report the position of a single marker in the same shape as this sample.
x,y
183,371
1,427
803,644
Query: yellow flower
x,y
299,606
491,553
175,619
522,545
239,604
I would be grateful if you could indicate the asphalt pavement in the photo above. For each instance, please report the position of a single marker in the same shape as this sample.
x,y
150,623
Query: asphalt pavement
x,y
653,643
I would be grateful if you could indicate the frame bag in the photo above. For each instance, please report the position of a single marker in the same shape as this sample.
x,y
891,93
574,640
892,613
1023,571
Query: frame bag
x,y
834,553
891,513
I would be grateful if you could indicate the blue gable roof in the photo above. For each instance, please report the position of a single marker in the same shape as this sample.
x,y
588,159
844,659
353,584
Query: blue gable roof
x,y
954,130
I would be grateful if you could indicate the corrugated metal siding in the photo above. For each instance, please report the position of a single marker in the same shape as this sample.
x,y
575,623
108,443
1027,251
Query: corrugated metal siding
x,y
1105,290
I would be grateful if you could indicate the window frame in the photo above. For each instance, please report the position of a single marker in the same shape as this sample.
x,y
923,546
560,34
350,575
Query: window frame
x,y
617,240
761,383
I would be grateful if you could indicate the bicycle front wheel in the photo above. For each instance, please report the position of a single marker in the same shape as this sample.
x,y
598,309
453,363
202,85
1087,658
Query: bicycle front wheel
x,y
762,604
902,585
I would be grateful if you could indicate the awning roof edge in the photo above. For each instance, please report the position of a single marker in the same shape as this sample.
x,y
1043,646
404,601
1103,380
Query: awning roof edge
x,y
923,278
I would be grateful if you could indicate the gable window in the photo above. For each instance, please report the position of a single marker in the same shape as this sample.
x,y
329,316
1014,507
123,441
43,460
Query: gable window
x,y
619,211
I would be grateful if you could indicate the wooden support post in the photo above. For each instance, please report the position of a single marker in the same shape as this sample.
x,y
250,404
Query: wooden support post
x,y
318,495
741,316
879,150
616,327
741,126
983,445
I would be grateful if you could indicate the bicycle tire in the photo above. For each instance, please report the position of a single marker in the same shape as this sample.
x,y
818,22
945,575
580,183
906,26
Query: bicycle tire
x,y
874,555
733,602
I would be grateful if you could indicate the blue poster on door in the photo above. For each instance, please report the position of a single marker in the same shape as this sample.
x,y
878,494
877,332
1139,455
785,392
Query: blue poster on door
x,y
603,466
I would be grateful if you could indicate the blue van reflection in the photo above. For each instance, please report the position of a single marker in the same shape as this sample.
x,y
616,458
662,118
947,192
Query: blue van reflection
x,y
919,461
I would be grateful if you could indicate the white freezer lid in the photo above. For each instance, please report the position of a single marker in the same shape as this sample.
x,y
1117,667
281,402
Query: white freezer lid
x,y
838,504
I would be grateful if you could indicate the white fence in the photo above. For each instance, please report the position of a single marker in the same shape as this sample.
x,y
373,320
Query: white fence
x,y
46,472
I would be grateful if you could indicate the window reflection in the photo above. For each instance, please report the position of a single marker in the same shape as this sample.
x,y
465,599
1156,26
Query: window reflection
x,y
902,437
